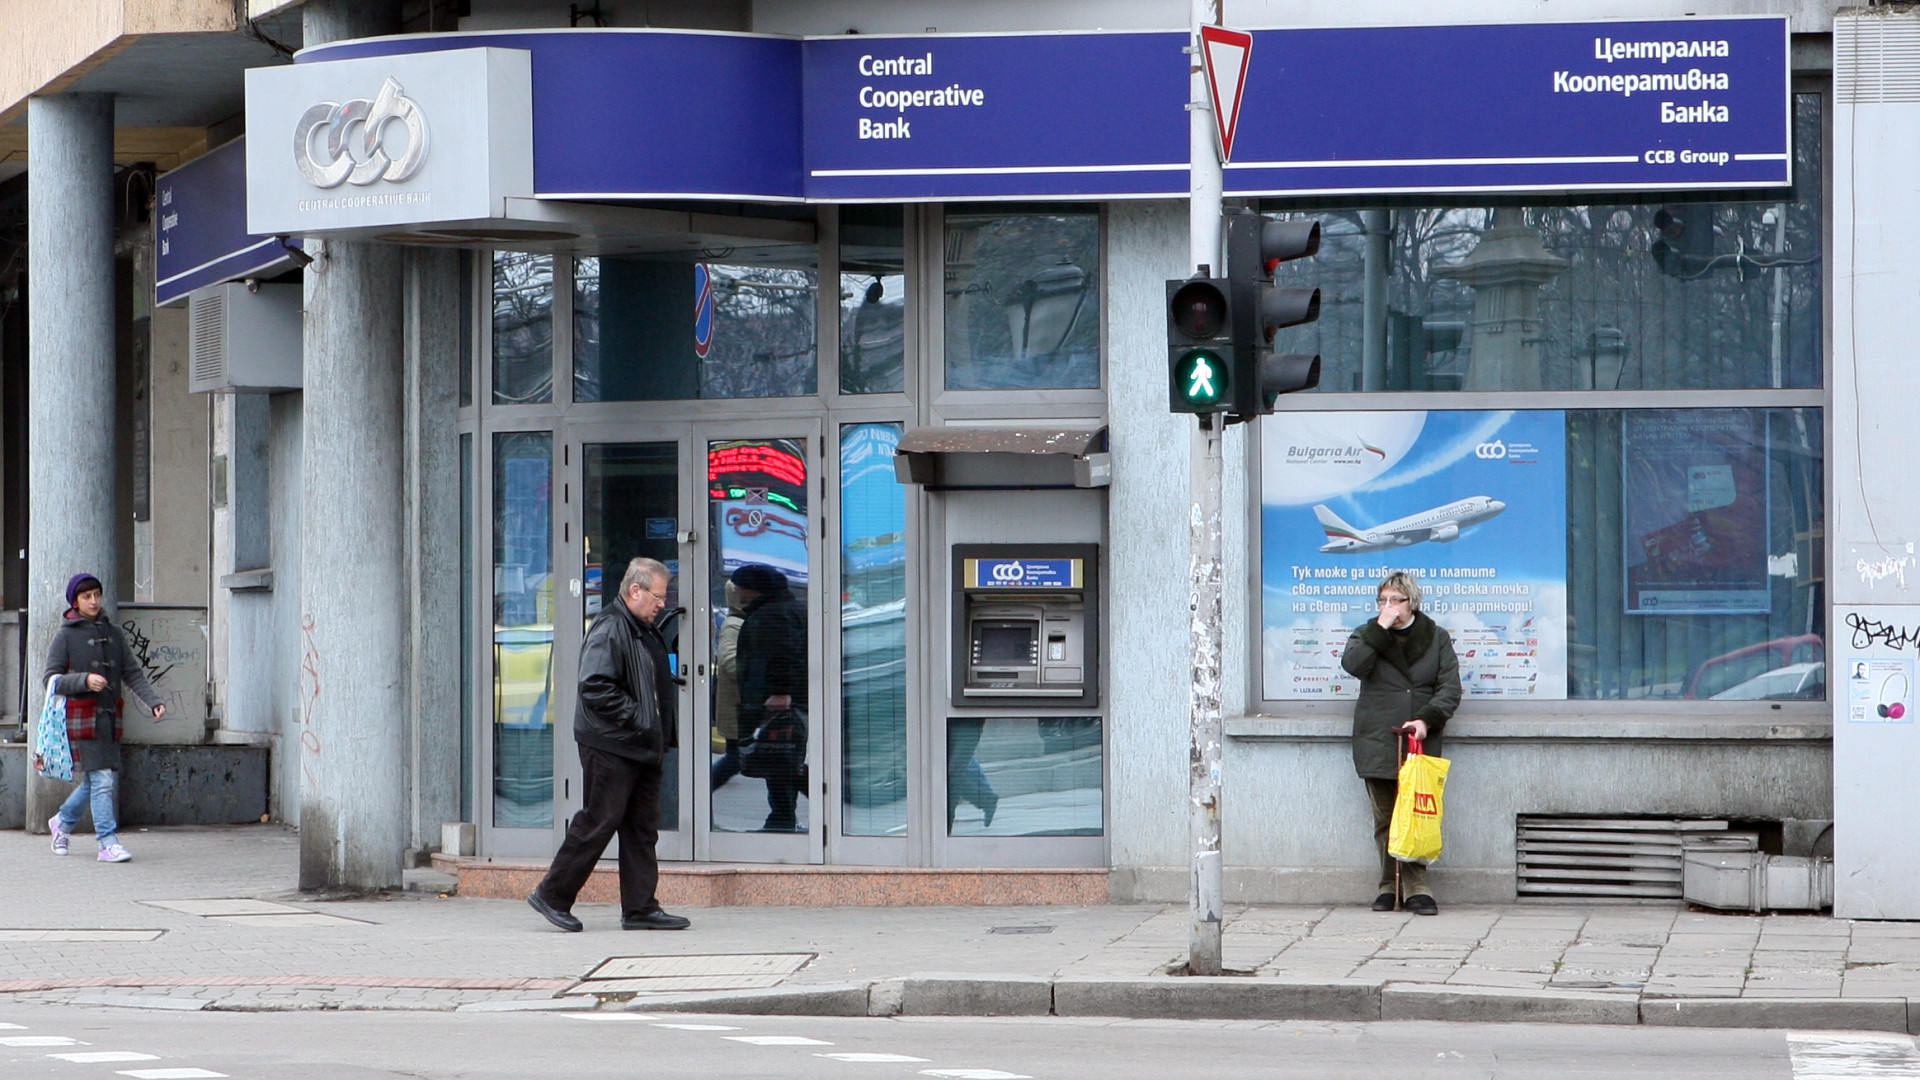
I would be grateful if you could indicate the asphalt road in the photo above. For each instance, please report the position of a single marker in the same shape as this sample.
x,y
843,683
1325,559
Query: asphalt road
x,y
80,1043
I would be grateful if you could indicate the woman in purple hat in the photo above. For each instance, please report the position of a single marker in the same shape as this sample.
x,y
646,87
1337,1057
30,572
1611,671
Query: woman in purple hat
x,y
89,660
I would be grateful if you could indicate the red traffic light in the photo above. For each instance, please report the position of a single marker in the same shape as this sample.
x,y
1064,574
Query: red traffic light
x,y
1199,310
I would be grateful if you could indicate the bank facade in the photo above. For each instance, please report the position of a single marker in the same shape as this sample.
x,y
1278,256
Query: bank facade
x,y
562,311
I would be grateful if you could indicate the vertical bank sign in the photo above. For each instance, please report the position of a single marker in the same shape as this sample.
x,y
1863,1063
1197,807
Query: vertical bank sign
x,y
416,139
1473,504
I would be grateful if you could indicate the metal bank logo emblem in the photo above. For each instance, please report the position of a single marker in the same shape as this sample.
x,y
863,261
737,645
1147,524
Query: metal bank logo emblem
x,y
355,142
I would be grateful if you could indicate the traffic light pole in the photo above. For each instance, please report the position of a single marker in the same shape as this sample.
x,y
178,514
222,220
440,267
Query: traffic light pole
x,y
1203,566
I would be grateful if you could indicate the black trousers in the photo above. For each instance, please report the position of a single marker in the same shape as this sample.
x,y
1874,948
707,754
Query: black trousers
x,y
618,796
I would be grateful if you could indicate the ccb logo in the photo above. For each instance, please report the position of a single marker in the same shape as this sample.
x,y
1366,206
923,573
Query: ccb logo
x,y
1009,571
355,147
1492,451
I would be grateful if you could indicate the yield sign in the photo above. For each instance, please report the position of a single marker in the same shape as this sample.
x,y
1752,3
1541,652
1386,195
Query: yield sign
x,y
1225,52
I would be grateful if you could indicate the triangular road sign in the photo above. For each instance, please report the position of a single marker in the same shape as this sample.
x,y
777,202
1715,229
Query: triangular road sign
x,y
1225,52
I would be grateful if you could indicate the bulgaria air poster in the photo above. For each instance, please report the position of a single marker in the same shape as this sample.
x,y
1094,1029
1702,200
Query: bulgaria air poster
x,y
1471,503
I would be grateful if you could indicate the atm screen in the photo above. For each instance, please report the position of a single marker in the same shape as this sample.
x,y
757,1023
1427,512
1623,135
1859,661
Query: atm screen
x,y
1004,643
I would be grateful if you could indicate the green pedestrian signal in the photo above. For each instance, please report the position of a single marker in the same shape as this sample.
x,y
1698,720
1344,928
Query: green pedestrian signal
x,y
1199,346
1202,378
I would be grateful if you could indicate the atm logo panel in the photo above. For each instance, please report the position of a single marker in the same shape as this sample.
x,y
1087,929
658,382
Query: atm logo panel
x,y
1023,574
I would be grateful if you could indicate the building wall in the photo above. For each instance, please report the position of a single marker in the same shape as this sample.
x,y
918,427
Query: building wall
x,y
50,45
179,470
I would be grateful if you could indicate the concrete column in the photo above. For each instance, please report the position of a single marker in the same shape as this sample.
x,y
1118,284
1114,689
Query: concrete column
x,y
70,381
433,542
354,583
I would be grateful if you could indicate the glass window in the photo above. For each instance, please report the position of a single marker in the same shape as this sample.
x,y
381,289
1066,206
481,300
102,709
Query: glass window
x,y
522,328
721,324
1023,298
1588,554
630,505
1608,296
759,580
873,632
873,300
522,630
1026,777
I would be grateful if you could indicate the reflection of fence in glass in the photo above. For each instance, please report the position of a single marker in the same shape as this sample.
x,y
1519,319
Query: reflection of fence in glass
x,y
1024,777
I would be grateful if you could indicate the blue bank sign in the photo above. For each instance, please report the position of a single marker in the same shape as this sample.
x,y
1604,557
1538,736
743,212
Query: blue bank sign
x,y
1663,104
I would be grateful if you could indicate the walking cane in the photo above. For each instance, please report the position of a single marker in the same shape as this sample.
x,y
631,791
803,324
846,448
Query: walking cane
x,y
1399,901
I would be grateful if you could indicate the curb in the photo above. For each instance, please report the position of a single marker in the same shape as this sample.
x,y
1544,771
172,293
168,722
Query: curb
x,y
847,999
1852,1014
1215,998
1500,1005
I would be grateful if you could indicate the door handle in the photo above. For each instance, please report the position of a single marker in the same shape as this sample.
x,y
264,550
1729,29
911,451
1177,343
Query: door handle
x,y
687,536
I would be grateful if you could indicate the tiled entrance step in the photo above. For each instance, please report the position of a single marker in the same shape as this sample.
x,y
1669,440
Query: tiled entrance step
x,y
730,884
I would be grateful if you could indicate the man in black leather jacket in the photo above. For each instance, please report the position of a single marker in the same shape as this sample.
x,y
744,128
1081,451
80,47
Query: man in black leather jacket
x,y
624,725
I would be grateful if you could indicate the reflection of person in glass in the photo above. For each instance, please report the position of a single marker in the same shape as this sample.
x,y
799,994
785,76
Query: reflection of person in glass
x,y
726,691
624,724
772,665
1409,685
966,780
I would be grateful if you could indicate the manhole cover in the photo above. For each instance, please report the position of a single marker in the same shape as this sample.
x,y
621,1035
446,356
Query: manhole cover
x,y
667,974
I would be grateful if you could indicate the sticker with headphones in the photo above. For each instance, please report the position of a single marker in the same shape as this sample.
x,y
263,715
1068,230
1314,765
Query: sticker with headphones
x,y
1894,707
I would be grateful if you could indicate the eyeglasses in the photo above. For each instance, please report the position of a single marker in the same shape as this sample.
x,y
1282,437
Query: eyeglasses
x,y
1385,600
662,597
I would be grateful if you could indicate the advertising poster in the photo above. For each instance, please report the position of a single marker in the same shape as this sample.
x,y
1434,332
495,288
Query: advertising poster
x,y
1472,503
1879,691
1695,489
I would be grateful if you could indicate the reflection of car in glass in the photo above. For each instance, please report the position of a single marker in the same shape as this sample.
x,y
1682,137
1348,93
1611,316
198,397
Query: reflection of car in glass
x,y
1724,671
873,691
1795,682
523,662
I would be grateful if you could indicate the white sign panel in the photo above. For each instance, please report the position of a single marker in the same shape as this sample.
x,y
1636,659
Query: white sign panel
x,y
1876,745
412,139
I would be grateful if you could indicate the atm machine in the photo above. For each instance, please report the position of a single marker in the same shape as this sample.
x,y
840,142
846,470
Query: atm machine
x,y
1026,624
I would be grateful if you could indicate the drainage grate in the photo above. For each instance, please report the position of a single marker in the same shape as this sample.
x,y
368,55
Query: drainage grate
x,y
1576,858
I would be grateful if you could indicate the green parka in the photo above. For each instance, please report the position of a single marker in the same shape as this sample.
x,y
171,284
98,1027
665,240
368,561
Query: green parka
x,y
1414,676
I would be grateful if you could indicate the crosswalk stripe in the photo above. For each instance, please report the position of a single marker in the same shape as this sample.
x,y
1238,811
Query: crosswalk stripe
x,y
1823,1055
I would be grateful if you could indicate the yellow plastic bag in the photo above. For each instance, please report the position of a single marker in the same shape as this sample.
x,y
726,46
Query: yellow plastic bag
x,y
1414,833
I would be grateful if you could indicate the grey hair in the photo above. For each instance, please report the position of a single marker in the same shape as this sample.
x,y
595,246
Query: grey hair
x,y
1405,583
643,572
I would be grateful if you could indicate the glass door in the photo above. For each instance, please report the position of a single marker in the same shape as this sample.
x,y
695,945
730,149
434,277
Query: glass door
x,y
624,499
759,620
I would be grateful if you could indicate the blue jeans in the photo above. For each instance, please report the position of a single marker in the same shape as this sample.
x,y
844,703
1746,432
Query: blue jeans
x,y
97,785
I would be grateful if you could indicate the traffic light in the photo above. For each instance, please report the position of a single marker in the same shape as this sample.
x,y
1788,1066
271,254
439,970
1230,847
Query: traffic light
x,y
1683,246
1199,346
1255,246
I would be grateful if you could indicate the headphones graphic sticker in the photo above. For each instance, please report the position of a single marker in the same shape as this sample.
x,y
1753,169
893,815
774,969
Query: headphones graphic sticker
x,y
1895,707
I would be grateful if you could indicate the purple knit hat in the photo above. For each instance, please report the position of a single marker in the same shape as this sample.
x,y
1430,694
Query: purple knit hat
x,y
80,583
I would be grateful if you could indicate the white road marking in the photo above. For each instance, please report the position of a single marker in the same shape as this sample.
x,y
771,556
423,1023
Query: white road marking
x,y
777,1040
172,1074
101,1057
13,1027
876,1058
604,1016
1822,1055
974,1074
39,1040
696,1027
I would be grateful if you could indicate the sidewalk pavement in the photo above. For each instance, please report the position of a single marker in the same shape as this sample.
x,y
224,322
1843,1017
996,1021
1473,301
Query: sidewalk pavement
x,y
78,931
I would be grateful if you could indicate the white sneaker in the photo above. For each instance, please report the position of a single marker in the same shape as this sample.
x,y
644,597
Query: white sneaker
x,y
60,834
114,853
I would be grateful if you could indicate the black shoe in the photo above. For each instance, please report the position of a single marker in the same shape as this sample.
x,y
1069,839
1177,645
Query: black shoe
x,y
654,920
562,919
1422,905
1383,902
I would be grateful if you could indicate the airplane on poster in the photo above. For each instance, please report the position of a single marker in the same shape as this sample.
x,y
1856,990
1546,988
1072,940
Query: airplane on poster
x,y
1442,525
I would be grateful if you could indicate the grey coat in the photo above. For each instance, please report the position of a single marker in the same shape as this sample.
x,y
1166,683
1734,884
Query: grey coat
x,y
83,647
1415,677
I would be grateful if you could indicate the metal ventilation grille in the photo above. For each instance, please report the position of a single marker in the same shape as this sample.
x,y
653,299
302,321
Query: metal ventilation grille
x,y
1876,59
206,345
1575,858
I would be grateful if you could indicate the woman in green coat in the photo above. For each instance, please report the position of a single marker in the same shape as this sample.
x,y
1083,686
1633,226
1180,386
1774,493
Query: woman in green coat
x,y
1409,685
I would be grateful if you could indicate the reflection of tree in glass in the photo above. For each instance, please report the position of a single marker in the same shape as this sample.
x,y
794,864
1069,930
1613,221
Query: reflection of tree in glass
x,y
586,329
1612,320
873,340
1022,301
522,327
763,333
